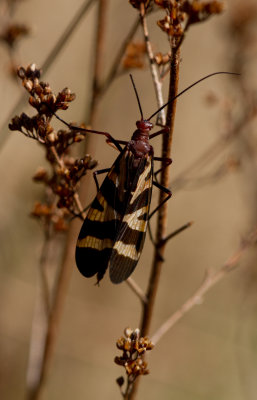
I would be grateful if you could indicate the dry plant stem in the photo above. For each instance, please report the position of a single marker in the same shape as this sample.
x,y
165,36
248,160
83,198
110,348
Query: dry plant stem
x,y
56,310
162,214
41,315
212,151
42,264
98,56
137,290
57,158
153,67
73,25
47,63
209,281
116,64
68,257
177,231
79,205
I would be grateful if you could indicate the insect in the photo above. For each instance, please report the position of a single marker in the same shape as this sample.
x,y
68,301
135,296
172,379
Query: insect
x,y
113,233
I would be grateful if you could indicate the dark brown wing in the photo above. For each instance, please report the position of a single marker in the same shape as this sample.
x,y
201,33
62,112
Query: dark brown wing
x,y
98,232
131,234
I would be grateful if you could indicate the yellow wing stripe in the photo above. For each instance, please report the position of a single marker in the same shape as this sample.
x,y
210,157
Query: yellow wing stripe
x,y
142,183
127,250
95,243
133,220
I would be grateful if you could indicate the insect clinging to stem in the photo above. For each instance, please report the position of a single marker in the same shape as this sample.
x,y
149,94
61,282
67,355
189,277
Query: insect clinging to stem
x,y
113,232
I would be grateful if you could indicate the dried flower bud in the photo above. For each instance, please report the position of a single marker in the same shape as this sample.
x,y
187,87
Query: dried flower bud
x,y
136,3
60,225
162,59
66,171
41,210
163,3
21,72
40,175
28,84
79,138
14,32
200,11
134,56
120,381
15,124
133,347
51,137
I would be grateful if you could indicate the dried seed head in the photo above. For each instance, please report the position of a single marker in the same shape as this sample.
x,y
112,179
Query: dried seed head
x,y
200,11
63,182
133,347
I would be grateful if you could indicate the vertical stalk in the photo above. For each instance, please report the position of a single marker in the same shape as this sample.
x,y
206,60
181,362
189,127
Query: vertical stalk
x,y
98,57
163,212
153,67
35,392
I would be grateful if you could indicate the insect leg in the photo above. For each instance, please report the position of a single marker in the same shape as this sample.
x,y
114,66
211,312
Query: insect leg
x,y
164,130
76,128
95,173
153,241
168,192
110,143
100,171
167,161
164,189
79,215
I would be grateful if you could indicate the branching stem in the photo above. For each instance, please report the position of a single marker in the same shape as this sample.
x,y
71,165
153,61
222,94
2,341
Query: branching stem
x,y
153,67
209,281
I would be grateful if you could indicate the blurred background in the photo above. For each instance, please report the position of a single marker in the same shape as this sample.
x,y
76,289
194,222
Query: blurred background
x,y
212,352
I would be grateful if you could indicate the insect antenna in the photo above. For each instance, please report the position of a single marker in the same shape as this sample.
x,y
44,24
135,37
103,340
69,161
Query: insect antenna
x,y
189,87
138,101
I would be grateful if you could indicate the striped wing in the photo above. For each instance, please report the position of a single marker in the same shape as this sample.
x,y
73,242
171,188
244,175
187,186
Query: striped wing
x,y
113,232
131,235
97,235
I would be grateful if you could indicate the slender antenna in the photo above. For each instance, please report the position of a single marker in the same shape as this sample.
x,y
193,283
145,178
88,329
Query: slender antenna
x,y
138,101
189,87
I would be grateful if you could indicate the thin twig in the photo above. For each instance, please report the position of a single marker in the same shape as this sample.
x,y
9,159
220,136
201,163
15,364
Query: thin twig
x,y
153,67
114,71
209,281
212,151
177,231
137,290
39,323
98,57
68,257
56,312
42,267
162,215
61,42
58,160
163,212
79,205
